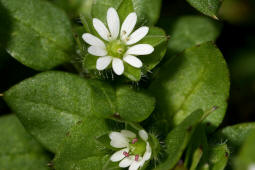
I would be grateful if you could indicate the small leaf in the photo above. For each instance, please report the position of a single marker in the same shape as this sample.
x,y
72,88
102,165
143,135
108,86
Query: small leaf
x,y
188,82
178,139
50,103
207,7
188,31
18,150
41,36
134,106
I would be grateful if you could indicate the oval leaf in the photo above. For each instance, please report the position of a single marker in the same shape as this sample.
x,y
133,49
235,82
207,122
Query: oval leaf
x,y
188,82
41,36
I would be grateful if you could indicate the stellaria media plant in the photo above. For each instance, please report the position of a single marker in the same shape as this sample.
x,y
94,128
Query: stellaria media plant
x,y
71,109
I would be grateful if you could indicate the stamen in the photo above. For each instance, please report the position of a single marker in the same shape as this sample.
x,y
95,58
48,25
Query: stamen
x,y
134,140
126,154
127,38
136,157
109,35
124,32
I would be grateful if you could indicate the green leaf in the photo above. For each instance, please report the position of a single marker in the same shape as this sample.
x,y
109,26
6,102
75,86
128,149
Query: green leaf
x,y
132,105
81,143
234,136
41,36
246,156
188,82
217,157
178,139
50,103
18,150
188,31
207,7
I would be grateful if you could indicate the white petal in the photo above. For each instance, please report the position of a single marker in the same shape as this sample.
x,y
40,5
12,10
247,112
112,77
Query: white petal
x,y
128,25
118,66
93,40
126,162
143,134
147,154
134,166
140,49
118,140
117,156
113,22
136,36
103,62
133,61
97,51
101,29
128,133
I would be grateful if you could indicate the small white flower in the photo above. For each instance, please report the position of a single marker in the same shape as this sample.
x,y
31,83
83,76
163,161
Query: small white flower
x,y
115,46
134,151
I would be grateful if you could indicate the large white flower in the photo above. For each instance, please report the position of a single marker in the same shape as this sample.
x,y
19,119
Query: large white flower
x,y
116,44
135,151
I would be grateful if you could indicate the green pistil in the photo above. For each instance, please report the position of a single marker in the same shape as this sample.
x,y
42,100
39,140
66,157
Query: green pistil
x,y
116,48
138,148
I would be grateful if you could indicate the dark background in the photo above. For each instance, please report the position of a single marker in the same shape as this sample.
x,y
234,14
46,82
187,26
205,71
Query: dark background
x,y
237,43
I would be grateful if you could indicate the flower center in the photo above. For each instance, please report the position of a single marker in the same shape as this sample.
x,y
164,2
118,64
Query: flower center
x,y
138,146
116,48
